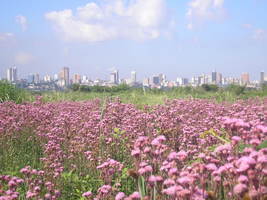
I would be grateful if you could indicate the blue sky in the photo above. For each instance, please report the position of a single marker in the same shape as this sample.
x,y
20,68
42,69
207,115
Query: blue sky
x,y
179,38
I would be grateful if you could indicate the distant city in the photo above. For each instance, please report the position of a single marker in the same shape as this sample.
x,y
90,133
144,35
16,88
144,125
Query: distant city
x,y
63,80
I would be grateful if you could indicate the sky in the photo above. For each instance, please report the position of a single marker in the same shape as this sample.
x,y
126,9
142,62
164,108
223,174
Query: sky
x,y
180,38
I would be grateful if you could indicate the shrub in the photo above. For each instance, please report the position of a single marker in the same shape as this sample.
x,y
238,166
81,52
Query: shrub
x,y
9,92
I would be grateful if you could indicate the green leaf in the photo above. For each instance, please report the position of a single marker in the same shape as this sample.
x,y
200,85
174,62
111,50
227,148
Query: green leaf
x,y
142,186
262,145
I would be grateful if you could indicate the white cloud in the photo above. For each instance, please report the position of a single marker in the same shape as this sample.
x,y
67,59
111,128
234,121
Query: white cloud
x,y
137,19
5,36
204,10
259,34
22,21
23,58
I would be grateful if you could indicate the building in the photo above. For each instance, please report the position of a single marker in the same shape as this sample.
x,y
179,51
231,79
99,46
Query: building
x,y
12,74
133,77
47,78
182,81
117,76
219,78
146,82
162,78
262,77
155,80
64,77
55,77
77,78
216,78
114,77
36,78
244,78
30,78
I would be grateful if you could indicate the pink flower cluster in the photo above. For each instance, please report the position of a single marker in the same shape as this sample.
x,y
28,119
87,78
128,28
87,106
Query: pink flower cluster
x,y
183,149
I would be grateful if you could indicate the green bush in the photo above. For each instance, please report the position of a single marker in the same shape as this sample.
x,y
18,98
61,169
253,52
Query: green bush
x,y
236,89
9,92
210,88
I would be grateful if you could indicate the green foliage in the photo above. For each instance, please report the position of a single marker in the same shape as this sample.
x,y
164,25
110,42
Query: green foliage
x,y
9,92
73,185
236,89
210,87
99,89
19,151
75,87
262,145
141,186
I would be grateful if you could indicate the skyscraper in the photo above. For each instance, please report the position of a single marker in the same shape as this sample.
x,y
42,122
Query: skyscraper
x,y
155,80
30,78
218,78
77,78
262,77
117,76
244,78
114,77
64,77
133,77
36,78
12,74
214,77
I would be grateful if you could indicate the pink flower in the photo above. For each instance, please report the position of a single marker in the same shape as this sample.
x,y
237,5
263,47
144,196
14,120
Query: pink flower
x,y
240,188
211,167
182,155
148,168
242,179
135,195
169,182
185,180
135,152
87,194
120,196
262,159
171,191
254,142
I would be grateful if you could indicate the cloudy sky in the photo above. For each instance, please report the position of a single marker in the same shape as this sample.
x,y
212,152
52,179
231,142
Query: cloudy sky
x,y
176,37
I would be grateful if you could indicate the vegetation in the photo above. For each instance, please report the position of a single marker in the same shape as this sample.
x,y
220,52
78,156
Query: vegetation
x,y
9,92
184,149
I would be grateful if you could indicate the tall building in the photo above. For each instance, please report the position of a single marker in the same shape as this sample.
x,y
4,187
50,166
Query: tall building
x,y
36,78
47,78
114,77
64,77
30,78
218,78
214,77
12,74
133,77
77,78
182,81
262,77
162,78
146,82
244,78
155,80
117,76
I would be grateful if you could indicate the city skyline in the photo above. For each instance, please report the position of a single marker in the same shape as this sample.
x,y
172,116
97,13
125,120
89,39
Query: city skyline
x,y
177,38
64,78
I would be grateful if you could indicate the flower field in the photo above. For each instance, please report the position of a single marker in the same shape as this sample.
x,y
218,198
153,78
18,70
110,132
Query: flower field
x,y
183,149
